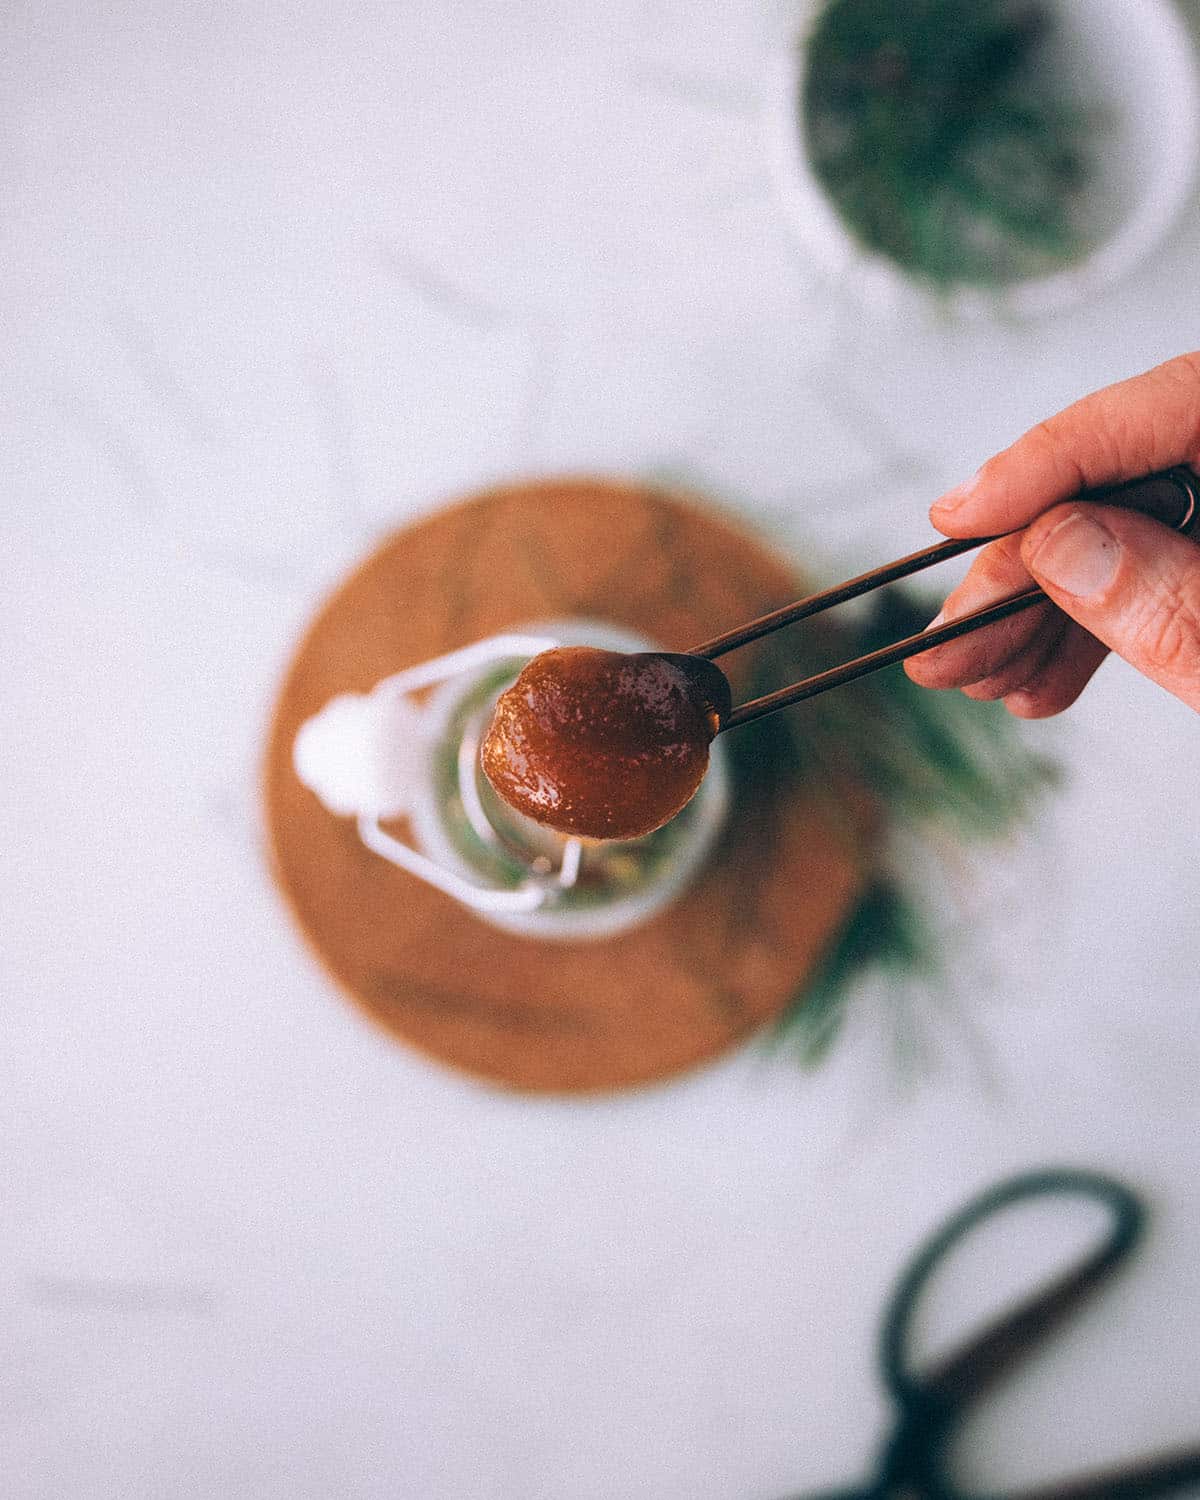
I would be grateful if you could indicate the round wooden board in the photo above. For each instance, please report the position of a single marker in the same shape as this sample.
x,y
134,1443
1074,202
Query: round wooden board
x,y
727,957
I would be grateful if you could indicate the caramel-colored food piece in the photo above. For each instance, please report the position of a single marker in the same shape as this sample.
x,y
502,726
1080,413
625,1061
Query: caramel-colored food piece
x,y
604,744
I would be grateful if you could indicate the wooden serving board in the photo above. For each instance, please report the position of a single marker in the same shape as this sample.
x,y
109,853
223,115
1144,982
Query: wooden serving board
x,y
731,953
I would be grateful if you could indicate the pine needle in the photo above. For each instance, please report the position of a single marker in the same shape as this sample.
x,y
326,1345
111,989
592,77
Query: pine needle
x,y
936,141
931,761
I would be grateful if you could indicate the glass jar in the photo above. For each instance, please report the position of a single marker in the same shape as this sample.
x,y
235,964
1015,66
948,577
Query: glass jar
x,y
513,872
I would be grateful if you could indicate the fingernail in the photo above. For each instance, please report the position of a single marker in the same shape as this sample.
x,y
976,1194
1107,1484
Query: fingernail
x,y
958,496
1078,556
938,619
1021,702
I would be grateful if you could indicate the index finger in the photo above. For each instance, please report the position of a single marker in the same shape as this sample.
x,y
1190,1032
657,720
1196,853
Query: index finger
x,y
1126,430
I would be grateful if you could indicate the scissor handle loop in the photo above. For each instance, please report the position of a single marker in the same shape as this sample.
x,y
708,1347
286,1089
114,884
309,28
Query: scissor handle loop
x,y
943,1388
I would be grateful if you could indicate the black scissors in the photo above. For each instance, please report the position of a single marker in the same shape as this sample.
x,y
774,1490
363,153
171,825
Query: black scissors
x,y
930,1403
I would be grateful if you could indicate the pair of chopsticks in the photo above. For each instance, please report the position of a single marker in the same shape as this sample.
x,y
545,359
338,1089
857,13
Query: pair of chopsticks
x,y
1172,497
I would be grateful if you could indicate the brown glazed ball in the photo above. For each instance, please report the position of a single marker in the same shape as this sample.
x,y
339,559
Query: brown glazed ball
x,y
604,744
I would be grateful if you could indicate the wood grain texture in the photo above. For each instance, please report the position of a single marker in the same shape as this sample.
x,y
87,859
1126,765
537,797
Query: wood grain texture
x,y
558,1017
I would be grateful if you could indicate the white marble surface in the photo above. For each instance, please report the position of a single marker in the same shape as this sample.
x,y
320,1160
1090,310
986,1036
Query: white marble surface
x,y
275,277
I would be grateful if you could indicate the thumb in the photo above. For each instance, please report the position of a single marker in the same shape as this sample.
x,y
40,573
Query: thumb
x,y
1130,581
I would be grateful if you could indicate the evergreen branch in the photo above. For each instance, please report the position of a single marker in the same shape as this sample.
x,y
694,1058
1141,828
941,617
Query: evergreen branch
x,y
935,140
929,760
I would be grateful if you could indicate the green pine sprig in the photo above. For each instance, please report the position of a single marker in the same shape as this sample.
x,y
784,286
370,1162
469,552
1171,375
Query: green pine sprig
x,y
932,762
938,141
887,932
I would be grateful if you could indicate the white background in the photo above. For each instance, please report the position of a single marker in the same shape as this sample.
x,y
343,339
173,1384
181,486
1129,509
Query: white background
x,y
274,278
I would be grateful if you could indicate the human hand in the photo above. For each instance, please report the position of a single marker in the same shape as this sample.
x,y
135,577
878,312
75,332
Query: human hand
x,y
1118,580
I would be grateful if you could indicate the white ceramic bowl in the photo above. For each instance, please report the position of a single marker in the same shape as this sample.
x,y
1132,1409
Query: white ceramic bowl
x,y
1131,59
